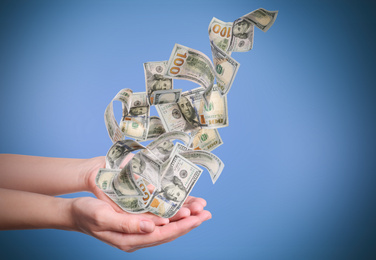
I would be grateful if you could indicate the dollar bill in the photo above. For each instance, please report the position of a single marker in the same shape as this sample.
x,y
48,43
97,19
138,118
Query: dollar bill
x,y
212,163
171,136
104,179
225,69
124,184
113,129
156,128
220,33
124,96
176,184
241,36
206,139
135,127
119,150
112,125
146,168
165,96
171,117
212,115
189,64
262,18
155,78
160,149
135,124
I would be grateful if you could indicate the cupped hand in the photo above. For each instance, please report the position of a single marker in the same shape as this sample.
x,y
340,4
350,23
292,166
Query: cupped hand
x,y
192,205
128,232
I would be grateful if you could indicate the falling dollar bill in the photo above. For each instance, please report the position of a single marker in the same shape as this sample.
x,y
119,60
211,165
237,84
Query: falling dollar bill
x,y
119,150
206,139
176,184
161,148
159,178
135,124
212,115
208,160
124,184
165,96
156,128
225,69
262,18
155,78
112,125
171,117
189,64
104,179
220,33
145,167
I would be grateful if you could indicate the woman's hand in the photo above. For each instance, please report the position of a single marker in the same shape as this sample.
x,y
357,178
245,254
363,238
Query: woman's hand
x,y
129,232
192,205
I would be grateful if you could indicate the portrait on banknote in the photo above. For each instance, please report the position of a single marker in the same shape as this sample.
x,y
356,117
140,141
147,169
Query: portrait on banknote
x,y
241,28
173,188
138,111
163,150
189,114
116,154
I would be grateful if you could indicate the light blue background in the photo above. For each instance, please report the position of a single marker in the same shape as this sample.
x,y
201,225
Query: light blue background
x,y
299,180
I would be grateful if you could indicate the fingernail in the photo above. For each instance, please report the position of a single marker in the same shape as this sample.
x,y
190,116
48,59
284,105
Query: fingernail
x,y
146,226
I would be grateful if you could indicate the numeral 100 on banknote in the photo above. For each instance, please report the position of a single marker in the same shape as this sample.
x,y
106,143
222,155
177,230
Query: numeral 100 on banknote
x,y
178,62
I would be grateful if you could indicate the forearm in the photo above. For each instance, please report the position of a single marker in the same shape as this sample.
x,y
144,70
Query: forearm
x,y
52,176
26,210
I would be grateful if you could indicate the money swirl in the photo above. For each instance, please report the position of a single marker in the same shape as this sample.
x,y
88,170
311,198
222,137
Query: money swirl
x,y
160,176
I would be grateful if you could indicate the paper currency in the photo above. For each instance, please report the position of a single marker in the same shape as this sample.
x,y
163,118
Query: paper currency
x,y
206,159
241,36
155,78
156,128
176,184
220,33
119,151
160,149
171,117
212,115
161,175
262,18
165,96
225,69
104,179
206,139
124,184
135,124
189,64
145,167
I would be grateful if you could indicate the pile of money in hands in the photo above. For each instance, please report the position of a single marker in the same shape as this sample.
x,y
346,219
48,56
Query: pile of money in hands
x,y
160,176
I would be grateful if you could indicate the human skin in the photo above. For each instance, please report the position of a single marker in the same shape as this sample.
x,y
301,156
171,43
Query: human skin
x,y
26,186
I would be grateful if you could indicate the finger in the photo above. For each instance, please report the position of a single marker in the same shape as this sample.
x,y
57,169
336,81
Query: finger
x,y
192,199
195,208
158,221
168,232
182,213
125,223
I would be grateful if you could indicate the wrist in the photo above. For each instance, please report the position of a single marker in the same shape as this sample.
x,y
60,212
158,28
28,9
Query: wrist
x,y
66,215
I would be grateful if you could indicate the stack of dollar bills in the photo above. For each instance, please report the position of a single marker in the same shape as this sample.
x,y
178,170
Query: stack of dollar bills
x,y
160,176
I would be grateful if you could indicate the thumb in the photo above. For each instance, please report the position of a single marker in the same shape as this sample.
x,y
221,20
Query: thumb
x,y
130,224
